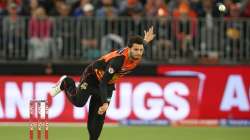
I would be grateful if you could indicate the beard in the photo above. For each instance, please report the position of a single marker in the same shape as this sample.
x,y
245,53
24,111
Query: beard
x,y
135,57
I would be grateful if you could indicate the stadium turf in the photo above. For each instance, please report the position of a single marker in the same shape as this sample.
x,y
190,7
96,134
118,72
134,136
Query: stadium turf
x,y
133,133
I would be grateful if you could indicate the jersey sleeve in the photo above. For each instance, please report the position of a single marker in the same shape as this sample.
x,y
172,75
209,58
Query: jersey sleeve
x,y
112,67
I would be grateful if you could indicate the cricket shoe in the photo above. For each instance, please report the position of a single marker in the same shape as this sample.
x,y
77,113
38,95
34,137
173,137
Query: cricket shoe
x,y
57,88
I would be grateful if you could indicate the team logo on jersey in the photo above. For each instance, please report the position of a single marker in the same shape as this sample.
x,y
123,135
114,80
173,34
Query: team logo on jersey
x,y
111,70
83,86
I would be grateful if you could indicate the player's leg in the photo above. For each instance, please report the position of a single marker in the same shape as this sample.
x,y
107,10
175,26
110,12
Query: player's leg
x,y
76,95
95,121
57,88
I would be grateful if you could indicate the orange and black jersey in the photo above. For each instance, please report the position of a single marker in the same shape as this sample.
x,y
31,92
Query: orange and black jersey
x,y
105,71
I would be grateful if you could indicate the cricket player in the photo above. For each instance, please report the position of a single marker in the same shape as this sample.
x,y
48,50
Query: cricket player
x,y
98,79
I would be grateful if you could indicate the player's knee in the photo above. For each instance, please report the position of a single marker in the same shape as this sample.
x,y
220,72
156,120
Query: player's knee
x,y
79,104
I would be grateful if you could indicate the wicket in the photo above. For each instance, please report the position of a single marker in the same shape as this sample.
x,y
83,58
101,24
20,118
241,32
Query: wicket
x,y
35,108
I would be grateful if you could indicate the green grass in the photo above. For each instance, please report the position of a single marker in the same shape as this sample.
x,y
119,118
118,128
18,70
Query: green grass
x,y
133,133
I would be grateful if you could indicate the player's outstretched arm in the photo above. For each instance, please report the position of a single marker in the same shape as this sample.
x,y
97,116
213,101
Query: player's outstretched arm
x,y
149,35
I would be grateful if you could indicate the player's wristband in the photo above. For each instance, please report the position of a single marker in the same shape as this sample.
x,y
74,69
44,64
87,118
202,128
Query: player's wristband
x,y
145,43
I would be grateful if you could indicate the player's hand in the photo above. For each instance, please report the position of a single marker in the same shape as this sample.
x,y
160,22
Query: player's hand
x,y
149,35
102,109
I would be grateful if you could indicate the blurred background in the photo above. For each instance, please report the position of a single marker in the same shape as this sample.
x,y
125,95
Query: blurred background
x,y
195,73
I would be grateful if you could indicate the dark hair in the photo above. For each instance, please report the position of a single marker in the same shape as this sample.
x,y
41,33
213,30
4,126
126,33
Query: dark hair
x,y
135,39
